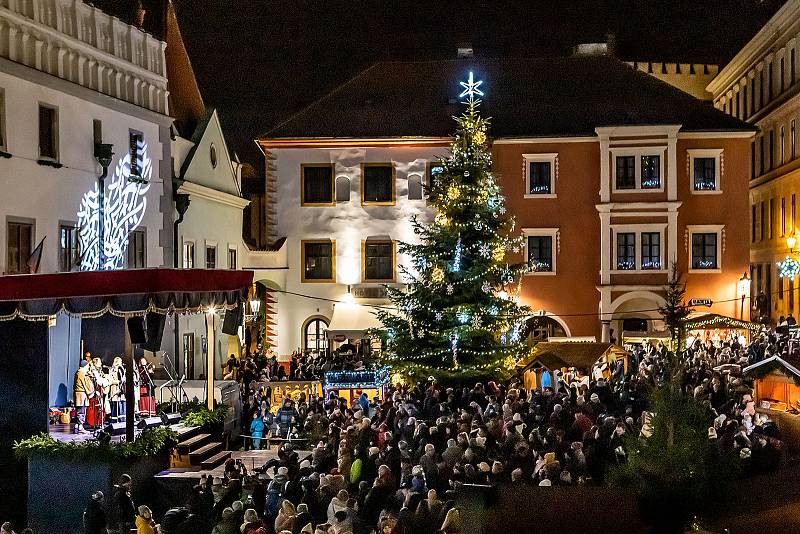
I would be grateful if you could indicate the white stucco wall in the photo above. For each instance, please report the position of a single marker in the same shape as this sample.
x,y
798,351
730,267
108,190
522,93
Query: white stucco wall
x,y
49,195
348,223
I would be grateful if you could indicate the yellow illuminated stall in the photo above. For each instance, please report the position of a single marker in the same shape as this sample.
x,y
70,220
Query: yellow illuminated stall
x,y
776,390
293,389
719,328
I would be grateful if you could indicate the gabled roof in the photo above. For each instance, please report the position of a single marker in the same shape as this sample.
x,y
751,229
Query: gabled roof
x,y
579,355
560,96
210,126
771,365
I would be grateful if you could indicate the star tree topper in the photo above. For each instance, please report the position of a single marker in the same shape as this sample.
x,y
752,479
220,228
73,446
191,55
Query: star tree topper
x,y
471,88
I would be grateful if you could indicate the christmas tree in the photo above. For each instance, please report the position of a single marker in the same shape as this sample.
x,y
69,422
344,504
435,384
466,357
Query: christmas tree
x,y
454,315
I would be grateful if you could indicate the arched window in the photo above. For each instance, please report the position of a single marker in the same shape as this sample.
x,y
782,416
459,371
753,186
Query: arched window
x,y
315,336
414,187
540,328
342,189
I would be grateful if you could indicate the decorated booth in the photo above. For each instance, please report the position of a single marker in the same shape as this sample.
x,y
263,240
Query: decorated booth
x,y
568,362
719,328
776,390
277,391
351,384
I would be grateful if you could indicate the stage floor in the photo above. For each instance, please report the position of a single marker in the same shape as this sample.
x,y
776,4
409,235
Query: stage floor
x,y
63,432
250,459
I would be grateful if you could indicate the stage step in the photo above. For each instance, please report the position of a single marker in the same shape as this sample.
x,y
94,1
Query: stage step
x,y
210,463
209,449
192,443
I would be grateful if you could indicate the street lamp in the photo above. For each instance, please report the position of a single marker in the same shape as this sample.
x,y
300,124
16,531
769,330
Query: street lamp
x,y
255,305
791,241
744,290
103,152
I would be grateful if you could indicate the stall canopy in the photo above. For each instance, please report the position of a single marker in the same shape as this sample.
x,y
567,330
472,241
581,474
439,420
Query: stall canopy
x,y
352,320
581,356
711,321
124,293
772,365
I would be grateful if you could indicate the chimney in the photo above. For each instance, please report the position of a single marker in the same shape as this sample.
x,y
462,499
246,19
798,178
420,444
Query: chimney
x,y
464,49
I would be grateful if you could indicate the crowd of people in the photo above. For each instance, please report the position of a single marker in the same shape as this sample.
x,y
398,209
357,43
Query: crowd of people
x,y
264,366
392,465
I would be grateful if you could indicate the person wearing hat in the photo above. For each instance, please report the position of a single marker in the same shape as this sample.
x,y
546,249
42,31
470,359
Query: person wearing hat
x,y
228,524
123,511
144,521
83,391
94,517
338,503
286,517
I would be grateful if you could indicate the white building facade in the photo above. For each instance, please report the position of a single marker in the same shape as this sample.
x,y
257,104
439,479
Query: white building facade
x,y
72,77
343,209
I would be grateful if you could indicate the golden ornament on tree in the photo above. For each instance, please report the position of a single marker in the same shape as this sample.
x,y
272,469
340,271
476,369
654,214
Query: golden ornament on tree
x,y
453,192
437,275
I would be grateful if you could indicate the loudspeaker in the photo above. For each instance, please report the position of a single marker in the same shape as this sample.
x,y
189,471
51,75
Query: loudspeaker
x,y
155,331
115,429
171,418
150,422
136,330
233,319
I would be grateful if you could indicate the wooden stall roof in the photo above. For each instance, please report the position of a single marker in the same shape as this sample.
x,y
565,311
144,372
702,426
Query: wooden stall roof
x,y
774,364
711,321
564,354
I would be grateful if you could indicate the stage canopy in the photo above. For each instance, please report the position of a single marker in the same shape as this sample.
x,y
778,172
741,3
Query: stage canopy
x,y
579,355
124,293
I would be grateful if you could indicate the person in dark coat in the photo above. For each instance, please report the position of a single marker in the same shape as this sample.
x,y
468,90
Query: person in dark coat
x,y
123,517
94,517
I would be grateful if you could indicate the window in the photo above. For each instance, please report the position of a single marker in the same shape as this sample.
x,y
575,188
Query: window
x,y
626,172
136,141
317,184
771,149
342,189
791,295
782,77
706,253
232,253
753,223
434,170
793,139
626,251
651,172
540,175
744,101
379,260
540,253
783,216
761,214
770,93
761,155
3,146
188,255
319,260
705,166
315,337
752,159
377,184
211,256
793,220
771,216
188,355
69,255
48,133
20,245
540,248
782,146
136,250
780,288
651,250
791,66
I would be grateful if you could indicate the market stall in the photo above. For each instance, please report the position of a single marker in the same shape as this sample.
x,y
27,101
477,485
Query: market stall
x,y
719,328
277,391
351,384
568,362
776,390
633,340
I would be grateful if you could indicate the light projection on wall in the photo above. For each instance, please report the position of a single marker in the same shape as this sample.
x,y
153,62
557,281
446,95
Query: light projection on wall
x,y
125,206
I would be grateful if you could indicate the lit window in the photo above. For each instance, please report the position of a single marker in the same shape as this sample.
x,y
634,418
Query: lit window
x,y
137,256
136,141
211,257
540,253
704,251
541,173
317,184
316,337
378,260
188,255
377,183
651,172
626,251
318,258
706,167
20,245
651,250
69,256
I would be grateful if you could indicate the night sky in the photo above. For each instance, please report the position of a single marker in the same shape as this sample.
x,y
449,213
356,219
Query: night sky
x,y
259,61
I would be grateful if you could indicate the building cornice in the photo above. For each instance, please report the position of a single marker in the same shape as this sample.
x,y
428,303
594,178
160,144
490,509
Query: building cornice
x,y
520,140
760,45
221,197
349,142
746,134
616,206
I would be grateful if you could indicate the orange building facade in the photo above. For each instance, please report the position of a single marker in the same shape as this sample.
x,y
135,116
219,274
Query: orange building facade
x,y
613,243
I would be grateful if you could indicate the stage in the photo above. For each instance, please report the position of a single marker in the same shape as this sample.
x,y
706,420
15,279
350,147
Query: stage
x,y
62,432
250,459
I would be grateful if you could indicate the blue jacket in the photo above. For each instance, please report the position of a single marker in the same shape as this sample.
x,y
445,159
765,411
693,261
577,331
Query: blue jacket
x,y
257,427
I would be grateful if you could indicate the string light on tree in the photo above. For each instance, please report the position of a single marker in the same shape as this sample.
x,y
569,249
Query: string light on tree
x,y
789,268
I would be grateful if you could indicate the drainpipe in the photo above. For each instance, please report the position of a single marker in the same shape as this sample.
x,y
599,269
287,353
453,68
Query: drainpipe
x,y
182,202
